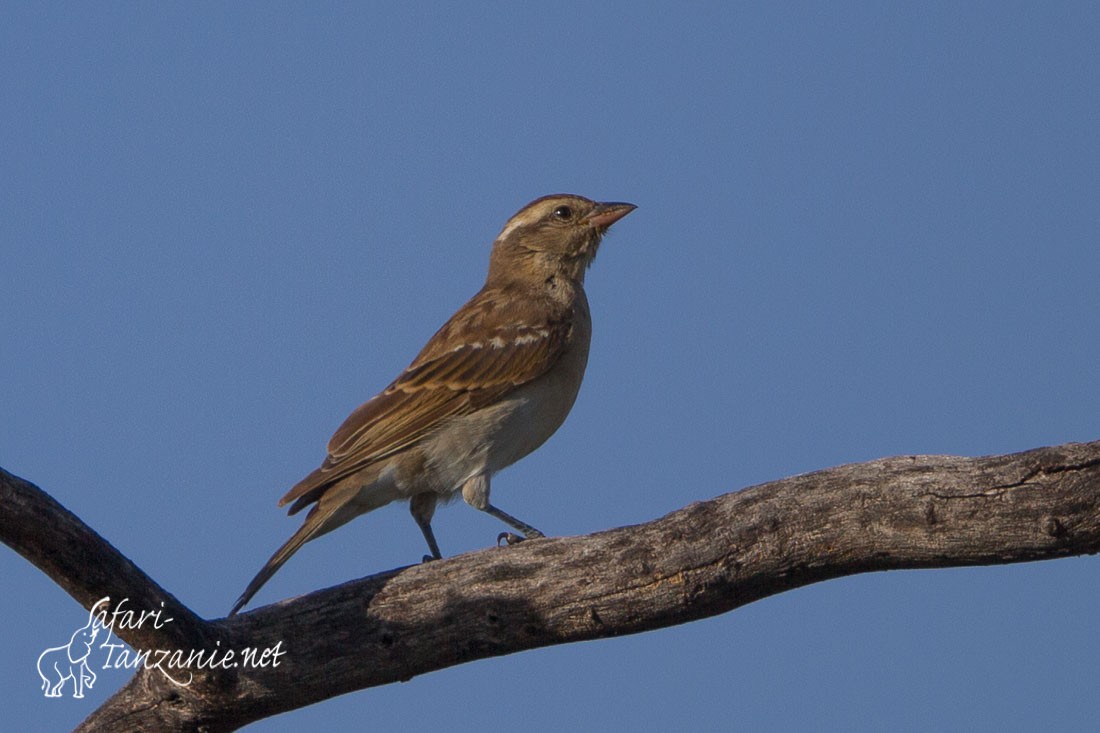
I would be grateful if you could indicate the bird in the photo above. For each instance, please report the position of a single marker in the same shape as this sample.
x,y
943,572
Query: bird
x,y
491,386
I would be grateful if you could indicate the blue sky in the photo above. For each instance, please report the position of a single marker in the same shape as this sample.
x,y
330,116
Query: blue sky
x,y
864,229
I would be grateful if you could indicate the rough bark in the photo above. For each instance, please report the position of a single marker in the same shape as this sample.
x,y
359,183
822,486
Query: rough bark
x,y
708,558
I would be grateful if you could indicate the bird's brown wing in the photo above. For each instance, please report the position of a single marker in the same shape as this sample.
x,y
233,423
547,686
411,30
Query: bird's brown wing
x,y
478,357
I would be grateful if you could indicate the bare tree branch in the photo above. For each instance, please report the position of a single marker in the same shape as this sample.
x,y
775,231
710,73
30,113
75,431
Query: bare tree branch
x,y
88,567
708,558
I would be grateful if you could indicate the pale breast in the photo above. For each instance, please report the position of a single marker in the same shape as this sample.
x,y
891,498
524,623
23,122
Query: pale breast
x,y
499,435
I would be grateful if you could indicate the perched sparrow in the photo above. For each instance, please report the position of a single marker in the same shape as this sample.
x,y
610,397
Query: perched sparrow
x,y
489,387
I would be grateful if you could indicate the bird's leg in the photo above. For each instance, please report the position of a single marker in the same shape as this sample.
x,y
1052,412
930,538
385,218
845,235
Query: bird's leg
x,y
476,493
529,532
422,507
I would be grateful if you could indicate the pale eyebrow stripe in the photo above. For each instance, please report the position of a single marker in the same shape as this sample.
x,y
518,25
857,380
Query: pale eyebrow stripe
x,y
528,216
511,227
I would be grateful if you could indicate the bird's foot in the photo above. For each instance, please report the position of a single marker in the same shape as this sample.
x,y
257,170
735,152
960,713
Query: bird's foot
x,y
511,538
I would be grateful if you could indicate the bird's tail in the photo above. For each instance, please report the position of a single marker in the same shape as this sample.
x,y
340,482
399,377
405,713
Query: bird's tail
x,y
321,519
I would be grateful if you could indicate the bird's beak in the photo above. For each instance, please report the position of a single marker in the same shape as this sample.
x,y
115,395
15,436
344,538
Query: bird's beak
x,y
604,215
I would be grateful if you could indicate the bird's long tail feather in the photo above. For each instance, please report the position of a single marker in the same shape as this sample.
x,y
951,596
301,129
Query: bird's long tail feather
x,y
317,523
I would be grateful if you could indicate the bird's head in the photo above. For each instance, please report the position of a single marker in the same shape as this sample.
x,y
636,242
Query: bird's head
x,y
555,235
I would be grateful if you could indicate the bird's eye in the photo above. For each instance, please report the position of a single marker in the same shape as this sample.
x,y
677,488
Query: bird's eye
x,y
564,213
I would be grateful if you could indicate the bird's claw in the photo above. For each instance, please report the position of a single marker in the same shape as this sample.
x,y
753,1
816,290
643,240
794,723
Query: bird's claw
x,y
511,538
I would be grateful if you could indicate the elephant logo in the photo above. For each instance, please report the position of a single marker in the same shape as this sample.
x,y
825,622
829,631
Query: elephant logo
x,y
59,664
